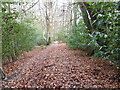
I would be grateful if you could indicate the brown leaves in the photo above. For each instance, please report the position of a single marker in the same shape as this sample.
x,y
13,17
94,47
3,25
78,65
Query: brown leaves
x,y
58,67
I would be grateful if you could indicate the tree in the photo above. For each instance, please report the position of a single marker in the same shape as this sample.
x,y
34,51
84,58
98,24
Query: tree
x,y
17,34
85,15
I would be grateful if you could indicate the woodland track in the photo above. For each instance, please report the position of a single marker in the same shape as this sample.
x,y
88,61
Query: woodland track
x,y
56,66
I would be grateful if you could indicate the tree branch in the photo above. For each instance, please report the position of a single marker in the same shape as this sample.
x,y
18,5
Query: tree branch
x,y
30,7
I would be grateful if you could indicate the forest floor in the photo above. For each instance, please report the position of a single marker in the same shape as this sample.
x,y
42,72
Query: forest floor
x,y
56,66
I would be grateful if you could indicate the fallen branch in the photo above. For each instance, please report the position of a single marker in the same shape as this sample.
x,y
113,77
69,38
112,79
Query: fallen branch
x,y
49,65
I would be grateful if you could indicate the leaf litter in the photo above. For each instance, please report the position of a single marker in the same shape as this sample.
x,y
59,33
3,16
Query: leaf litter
x,y
58,67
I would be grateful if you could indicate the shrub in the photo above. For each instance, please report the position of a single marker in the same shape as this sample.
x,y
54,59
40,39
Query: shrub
x,y
17,35
98,44
60,35
21,37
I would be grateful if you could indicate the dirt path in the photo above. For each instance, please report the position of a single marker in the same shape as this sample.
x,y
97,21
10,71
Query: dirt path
x,y
57,66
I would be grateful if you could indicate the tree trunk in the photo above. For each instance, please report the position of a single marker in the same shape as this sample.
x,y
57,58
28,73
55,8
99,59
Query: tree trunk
x,y
48,27
92,15
75,15
85,16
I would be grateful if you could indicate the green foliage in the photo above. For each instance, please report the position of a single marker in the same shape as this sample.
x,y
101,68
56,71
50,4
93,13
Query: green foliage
x,y
17,35
106,14
108,27
20,38
61,35
78,38
104,41
40,39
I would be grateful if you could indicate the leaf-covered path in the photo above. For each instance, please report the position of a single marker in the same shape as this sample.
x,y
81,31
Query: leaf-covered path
x,y
57,66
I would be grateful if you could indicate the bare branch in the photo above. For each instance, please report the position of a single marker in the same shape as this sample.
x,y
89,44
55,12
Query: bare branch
x,y
30,7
